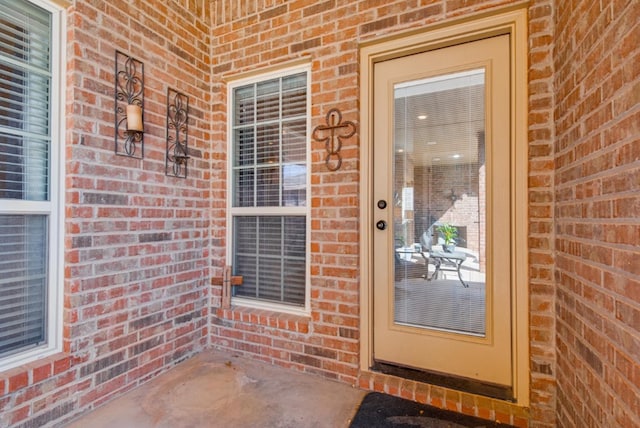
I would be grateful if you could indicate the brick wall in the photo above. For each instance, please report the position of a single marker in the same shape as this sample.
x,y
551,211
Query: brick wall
x,y
255,34
140,247
541,256
136,241
597,156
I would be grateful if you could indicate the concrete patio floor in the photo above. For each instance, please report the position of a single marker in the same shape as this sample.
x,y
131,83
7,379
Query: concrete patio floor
x,y
215,389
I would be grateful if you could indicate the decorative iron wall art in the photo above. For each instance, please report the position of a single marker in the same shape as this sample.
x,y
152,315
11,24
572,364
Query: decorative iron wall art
x,y
177,153
129,106
332,135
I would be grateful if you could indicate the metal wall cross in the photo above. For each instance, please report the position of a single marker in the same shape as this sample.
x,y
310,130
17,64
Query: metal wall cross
x,y
333,137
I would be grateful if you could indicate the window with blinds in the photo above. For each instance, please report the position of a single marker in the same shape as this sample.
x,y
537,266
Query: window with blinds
x,y
269,188
26,206
23,284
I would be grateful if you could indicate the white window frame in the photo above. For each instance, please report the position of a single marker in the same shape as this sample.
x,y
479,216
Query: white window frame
x,y
54,207
262,211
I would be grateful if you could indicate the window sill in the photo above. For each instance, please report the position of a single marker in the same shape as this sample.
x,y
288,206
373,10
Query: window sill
x,y
28,374
264,317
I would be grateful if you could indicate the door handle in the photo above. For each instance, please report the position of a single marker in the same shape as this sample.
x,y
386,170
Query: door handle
x,y
381,225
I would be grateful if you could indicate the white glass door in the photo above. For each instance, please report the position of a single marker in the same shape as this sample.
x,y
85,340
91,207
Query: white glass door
x,y
442,274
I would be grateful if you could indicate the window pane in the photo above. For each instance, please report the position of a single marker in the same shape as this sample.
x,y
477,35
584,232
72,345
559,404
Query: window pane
x,y
245,234
270,255
268,88
294,185
294,97
294,141
247,266
25,93
270,242
23,281
294,281
244,150
268,144
25,32
275,148
268,101
270,276
268,187
295,228
24,167
12,84
243,111
243,184
295,81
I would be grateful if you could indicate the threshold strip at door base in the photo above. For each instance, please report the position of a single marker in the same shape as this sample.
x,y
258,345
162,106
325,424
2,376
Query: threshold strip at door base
x,y
472,386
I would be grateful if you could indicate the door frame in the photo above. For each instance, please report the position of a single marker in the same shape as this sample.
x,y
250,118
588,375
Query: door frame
x,y
511,20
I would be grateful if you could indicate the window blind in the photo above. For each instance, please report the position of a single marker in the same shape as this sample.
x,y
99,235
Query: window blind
x,y
23,281
25,93
270,256
269,163
25,146
442,155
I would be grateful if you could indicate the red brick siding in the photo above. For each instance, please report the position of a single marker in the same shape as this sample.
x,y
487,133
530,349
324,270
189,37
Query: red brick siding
x,y
255,34
541,256
133,308
597,160
136,242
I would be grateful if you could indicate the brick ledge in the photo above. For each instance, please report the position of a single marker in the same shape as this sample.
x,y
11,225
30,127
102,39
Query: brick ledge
x,y
34,372
274,319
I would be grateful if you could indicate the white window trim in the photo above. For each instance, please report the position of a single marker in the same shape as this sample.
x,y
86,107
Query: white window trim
x,y
305,210
55,206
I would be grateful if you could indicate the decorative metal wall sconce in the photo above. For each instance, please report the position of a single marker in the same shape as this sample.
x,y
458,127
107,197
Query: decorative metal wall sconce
x,y
177,153
332,139
129,106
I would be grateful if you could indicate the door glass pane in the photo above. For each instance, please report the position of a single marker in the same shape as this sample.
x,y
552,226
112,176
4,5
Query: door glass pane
x,y
440,203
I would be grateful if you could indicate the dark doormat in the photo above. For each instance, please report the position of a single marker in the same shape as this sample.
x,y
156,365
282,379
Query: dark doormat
x,y
379,410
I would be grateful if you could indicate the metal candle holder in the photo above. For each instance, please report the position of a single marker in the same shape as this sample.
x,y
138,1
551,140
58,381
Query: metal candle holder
x,y
129,106
177,152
